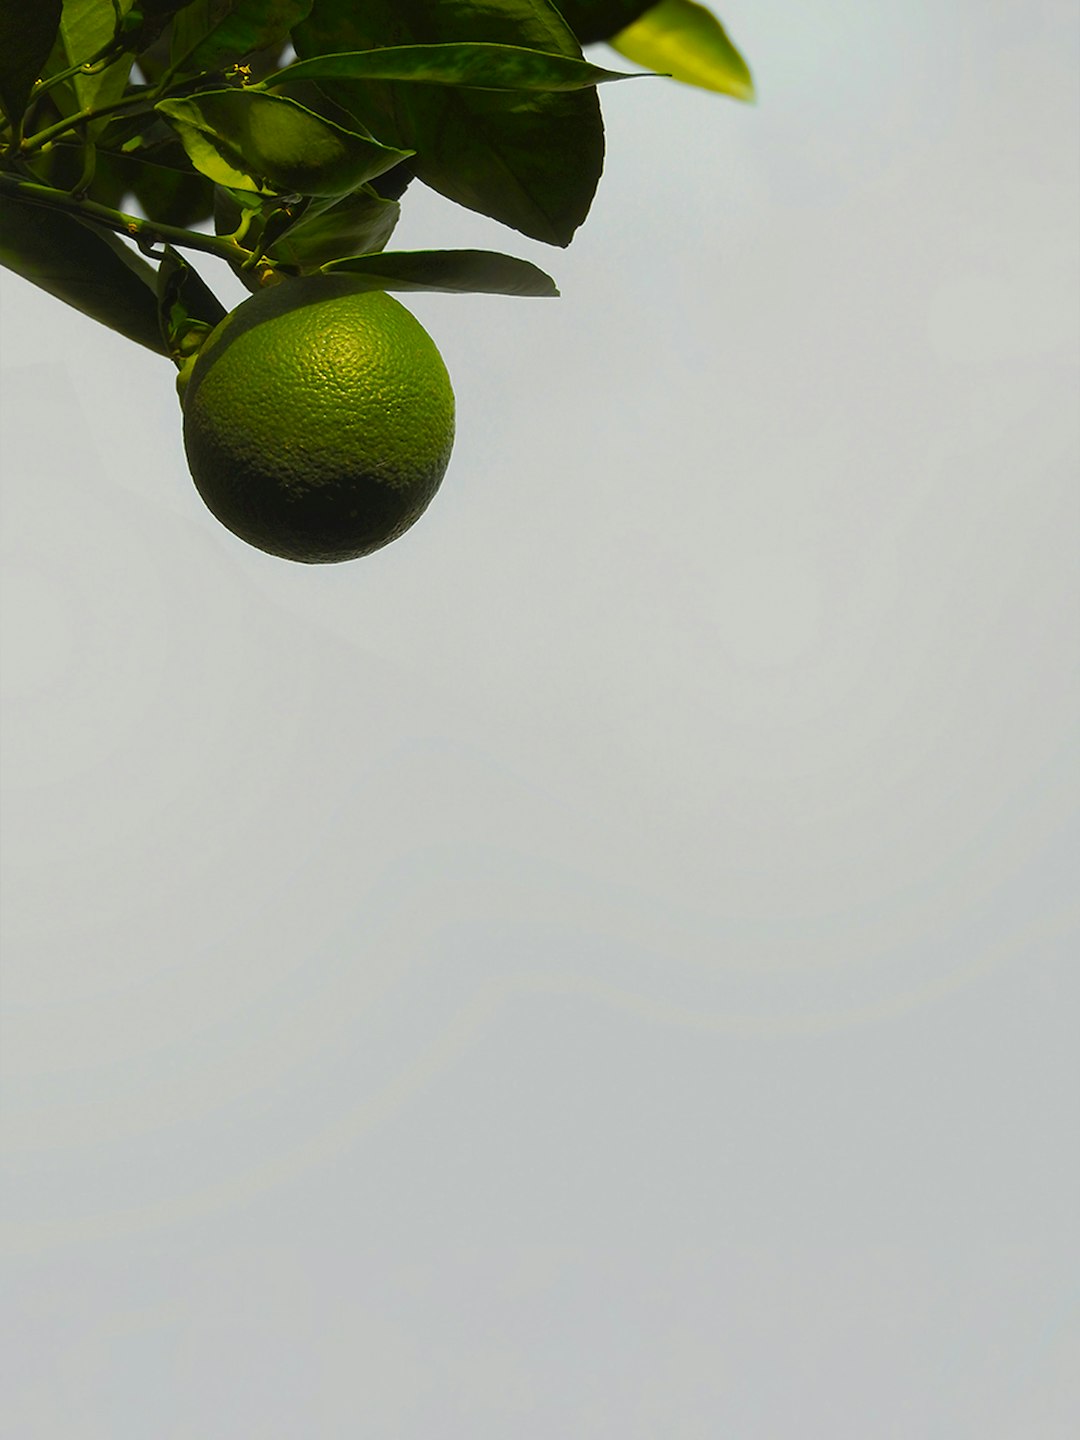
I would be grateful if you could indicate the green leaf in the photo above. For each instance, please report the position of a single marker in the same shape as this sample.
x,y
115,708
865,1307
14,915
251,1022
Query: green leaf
x,y
593,20
482,272
161,180
27,36
86,267
162,9
210,34
249,140
86,28
151,165
357,225
481,66
528,160
152,17
688,43
188,309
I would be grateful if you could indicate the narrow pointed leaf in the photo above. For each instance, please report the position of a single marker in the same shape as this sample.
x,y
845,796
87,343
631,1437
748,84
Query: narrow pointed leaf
x,y
687,42
27,35
249,140
482,272
528,160
480,66
89,269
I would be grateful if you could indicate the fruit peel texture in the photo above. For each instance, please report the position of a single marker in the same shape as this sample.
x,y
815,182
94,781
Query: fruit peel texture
x,y
318,421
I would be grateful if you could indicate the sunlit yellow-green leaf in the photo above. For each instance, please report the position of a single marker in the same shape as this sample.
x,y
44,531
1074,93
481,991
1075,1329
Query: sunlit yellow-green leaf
x,y
85,29
251,141
687,42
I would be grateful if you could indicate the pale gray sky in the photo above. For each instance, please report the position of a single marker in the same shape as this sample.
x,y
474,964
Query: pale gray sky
x,y
603,966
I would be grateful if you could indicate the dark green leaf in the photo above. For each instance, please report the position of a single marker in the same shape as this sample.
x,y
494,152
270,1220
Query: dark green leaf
x,y
152,16
188,309
687,42
161,180
162,153
305,236
27,35
479,65
356,225
210,34
395,182
479,272
88,268
531,161
249,140
162,9
593,20
60,167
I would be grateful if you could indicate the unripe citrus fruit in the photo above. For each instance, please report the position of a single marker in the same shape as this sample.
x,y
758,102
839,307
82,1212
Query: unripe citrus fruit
x,y
318,420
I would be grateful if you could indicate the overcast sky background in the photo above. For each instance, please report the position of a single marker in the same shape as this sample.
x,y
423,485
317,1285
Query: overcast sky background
x,y
602,967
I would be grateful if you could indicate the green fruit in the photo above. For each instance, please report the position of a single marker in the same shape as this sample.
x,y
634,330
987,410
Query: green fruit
x,y
318,420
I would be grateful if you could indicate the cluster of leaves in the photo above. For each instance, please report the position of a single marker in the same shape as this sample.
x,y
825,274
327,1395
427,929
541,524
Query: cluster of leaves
x,y
280,136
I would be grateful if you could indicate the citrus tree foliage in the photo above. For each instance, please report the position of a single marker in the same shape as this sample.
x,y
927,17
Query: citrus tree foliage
x,y
281,135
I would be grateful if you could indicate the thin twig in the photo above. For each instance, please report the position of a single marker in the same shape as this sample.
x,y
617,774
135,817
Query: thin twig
x,y
139,230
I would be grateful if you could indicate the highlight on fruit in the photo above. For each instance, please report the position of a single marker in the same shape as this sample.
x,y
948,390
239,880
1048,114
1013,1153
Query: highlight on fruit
x,y
279,138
